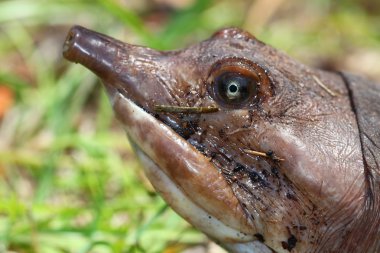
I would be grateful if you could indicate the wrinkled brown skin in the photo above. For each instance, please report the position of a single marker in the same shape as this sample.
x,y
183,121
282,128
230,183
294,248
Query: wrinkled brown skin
x,y
326,191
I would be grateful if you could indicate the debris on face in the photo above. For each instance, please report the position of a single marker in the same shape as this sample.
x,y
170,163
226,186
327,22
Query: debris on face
x,y
185,109
269,154
290,244
327,89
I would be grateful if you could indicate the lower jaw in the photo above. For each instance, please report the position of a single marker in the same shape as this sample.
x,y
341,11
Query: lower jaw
x,y
231,239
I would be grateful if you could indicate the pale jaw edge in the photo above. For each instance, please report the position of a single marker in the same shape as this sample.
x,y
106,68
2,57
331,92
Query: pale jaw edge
x,y
194,214
230,238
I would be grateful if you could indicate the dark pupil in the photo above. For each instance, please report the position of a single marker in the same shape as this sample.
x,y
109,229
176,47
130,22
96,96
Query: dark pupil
x,y
234,88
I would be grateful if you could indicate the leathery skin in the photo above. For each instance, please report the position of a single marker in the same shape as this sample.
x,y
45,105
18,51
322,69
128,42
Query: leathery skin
x,y
286,159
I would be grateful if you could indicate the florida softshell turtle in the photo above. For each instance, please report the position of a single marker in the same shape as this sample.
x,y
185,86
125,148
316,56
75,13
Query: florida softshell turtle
x,y
256,150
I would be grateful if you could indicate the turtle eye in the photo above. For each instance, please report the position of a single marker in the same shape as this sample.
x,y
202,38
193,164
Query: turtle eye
x,y
234,88
238,83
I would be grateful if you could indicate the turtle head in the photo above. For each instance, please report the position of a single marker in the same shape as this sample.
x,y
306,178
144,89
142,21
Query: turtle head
x,y
241,140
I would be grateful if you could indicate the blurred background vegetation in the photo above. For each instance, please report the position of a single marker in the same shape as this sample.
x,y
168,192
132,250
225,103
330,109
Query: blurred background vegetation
x,y
68,179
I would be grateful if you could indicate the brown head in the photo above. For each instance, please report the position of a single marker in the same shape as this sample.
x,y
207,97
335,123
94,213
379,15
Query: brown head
x,y
241,140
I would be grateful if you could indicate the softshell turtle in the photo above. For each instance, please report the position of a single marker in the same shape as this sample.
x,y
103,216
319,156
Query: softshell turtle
x,y
256,150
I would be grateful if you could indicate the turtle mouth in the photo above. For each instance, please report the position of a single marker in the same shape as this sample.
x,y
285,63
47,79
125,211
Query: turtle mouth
x,y
183,204
186,179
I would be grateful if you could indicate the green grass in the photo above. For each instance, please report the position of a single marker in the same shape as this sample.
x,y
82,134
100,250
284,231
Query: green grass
x,y
68,179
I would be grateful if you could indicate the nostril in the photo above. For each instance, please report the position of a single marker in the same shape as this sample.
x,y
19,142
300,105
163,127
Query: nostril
x,y
70,40
70,37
